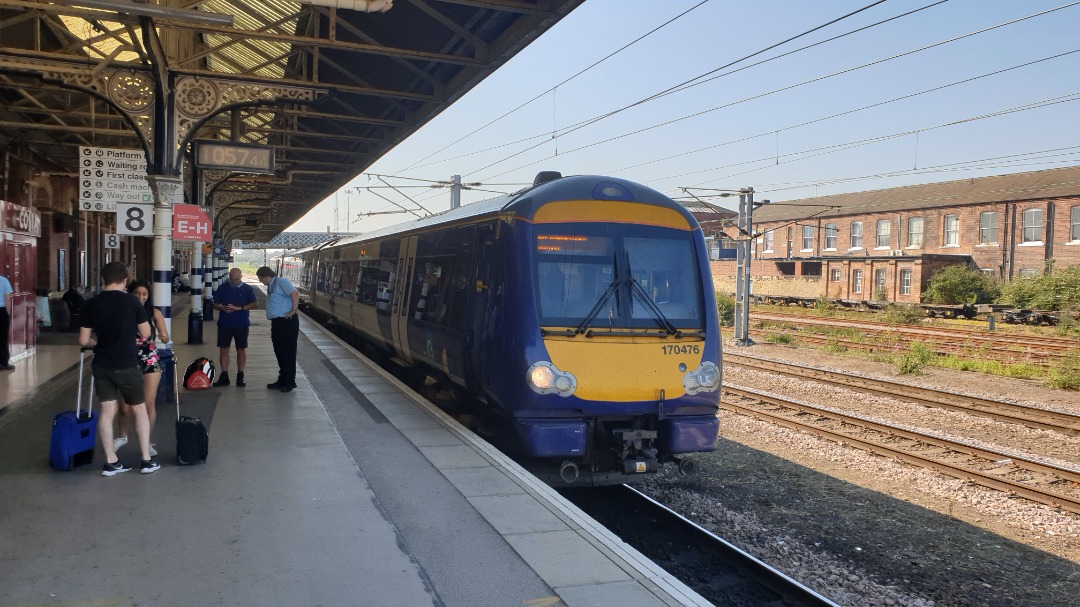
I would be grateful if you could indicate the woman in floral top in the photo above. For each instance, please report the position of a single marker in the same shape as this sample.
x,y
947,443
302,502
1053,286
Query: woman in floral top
x,y
148,361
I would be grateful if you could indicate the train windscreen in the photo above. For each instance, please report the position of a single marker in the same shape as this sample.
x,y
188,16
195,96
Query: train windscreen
x,y
654,271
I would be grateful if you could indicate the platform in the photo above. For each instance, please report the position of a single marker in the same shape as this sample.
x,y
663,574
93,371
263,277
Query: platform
x,y
350,490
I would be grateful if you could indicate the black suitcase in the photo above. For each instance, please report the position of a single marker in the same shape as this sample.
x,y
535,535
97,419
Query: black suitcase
x,y
192,440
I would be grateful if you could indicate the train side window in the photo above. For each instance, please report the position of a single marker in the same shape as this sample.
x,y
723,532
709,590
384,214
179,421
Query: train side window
x,y
442,261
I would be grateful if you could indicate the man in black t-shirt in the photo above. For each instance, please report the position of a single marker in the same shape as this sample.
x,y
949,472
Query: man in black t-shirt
x,y
116,318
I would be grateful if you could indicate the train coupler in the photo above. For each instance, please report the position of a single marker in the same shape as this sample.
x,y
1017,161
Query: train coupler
x,y
638,454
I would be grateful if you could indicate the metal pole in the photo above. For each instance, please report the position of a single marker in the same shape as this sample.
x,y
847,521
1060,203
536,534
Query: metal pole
x,y
455,191
745,277
741,259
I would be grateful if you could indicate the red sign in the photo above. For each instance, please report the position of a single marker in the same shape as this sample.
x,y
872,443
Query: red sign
x,y
189,222
19,219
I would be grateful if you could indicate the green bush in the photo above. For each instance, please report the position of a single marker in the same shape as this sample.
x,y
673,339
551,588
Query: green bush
x,y
725,309
959,284
912,362
1058,290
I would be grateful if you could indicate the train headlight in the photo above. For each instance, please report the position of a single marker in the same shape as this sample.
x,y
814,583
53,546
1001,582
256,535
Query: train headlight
x,y
706,378
545,378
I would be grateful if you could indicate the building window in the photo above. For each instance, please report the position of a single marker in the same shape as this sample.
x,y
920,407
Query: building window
x,y
856,281
914,231
768,241
856,235
834,275
808,238
1074,221
884,233
830,236
905,282
879,283
952,231
1033,225
988,227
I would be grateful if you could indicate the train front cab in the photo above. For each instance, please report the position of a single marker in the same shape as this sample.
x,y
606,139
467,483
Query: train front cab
x,y
621,342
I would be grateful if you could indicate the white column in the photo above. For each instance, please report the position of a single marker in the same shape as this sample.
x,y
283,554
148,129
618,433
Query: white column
x,y
168,190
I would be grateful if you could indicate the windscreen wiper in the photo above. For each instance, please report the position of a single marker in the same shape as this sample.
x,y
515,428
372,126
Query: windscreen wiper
x,y
612,289
658,315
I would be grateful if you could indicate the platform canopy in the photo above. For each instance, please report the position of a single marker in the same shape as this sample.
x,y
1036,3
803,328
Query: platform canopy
x,y
331,85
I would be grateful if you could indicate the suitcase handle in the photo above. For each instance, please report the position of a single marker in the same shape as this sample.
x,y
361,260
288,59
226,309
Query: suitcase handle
x,y
90,396
176,393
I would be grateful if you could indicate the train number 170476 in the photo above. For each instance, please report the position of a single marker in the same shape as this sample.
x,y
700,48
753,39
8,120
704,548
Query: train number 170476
x,y
681,349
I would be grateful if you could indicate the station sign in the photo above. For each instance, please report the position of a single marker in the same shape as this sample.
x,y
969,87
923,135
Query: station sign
x,y
19,219
238,157
190,222
112,176
134,219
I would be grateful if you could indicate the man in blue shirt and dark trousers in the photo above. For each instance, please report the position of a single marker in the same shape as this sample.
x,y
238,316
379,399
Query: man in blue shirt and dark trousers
x,y
282,300
5,324
233,298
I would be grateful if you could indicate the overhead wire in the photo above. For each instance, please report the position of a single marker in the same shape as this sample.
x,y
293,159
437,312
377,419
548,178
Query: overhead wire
x,y
781,89
579,73
547,135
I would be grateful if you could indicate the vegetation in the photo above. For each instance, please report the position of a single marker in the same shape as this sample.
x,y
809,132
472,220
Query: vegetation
x,y
1066,374
902,314
1057,290
780,338
959,284
913,361
725,309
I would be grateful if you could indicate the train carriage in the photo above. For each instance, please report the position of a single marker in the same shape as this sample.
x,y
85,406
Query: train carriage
x,y
579,313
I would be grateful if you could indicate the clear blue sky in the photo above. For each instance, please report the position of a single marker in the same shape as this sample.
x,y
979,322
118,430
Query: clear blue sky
x,y
756,140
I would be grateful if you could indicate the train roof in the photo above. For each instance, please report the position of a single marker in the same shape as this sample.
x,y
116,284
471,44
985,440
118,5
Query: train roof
x,y
525,203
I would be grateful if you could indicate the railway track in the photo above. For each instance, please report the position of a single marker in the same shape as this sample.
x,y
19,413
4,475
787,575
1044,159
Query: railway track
x,y
1012,473
1011,344
718,571
1031,417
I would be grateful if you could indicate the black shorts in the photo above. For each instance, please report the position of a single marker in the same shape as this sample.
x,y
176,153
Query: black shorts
x,y
225,335
112,383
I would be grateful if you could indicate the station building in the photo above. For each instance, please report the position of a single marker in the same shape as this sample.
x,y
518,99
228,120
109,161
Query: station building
x,y
886,244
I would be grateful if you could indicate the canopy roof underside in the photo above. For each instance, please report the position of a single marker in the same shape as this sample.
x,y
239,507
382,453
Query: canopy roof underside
x,y
336,88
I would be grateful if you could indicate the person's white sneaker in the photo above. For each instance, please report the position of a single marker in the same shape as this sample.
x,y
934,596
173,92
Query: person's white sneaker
x,y
119,442
153,451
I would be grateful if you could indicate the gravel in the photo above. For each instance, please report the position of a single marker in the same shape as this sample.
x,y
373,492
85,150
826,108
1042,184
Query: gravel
x,y
867,530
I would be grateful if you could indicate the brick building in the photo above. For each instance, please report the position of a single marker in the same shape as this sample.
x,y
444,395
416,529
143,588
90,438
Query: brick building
x,y
886,244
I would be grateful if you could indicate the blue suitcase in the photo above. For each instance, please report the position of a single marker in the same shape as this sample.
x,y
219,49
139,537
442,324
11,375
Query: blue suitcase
x,y
74,432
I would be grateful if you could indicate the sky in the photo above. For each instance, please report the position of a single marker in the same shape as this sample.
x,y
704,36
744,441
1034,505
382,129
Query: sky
x,y
908,92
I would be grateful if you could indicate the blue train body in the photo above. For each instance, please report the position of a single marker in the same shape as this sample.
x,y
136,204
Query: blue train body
x,y
578,312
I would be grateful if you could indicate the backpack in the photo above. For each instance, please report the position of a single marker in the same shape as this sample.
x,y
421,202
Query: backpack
x,y
199,374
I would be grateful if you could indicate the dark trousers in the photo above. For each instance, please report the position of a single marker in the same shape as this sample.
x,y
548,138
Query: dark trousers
x,y
5,327
283,334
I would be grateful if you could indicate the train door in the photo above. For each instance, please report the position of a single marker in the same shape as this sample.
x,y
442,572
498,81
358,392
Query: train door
x,y
478,309
399,303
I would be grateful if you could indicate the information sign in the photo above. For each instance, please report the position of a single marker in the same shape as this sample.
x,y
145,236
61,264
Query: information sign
x,y
112,241
190,223
134,219
111,176
238,157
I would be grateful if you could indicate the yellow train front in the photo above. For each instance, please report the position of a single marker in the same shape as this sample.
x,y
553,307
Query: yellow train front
x,y
579,313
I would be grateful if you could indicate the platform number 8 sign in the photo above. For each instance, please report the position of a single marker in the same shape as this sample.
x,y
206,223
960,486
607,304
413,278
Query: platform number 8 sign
x,y
135,219
112,241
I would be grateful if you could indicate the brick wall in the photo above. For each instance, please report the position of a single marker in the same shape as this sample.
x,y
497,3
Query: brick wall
x,y
1005,254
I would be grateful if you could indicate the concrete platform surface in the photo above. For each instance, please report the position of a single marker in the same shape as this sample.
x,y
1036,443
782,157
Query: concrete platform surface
x,y
350,490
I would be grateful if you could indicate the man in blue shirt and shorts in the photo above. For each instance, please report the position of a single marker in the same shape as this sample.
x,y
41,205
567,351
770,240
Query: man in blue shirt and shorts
x,y
233,298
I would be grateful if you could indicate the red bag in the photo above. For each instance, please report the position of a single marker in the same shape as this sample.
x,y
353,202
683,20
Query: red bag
x,y
199,374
